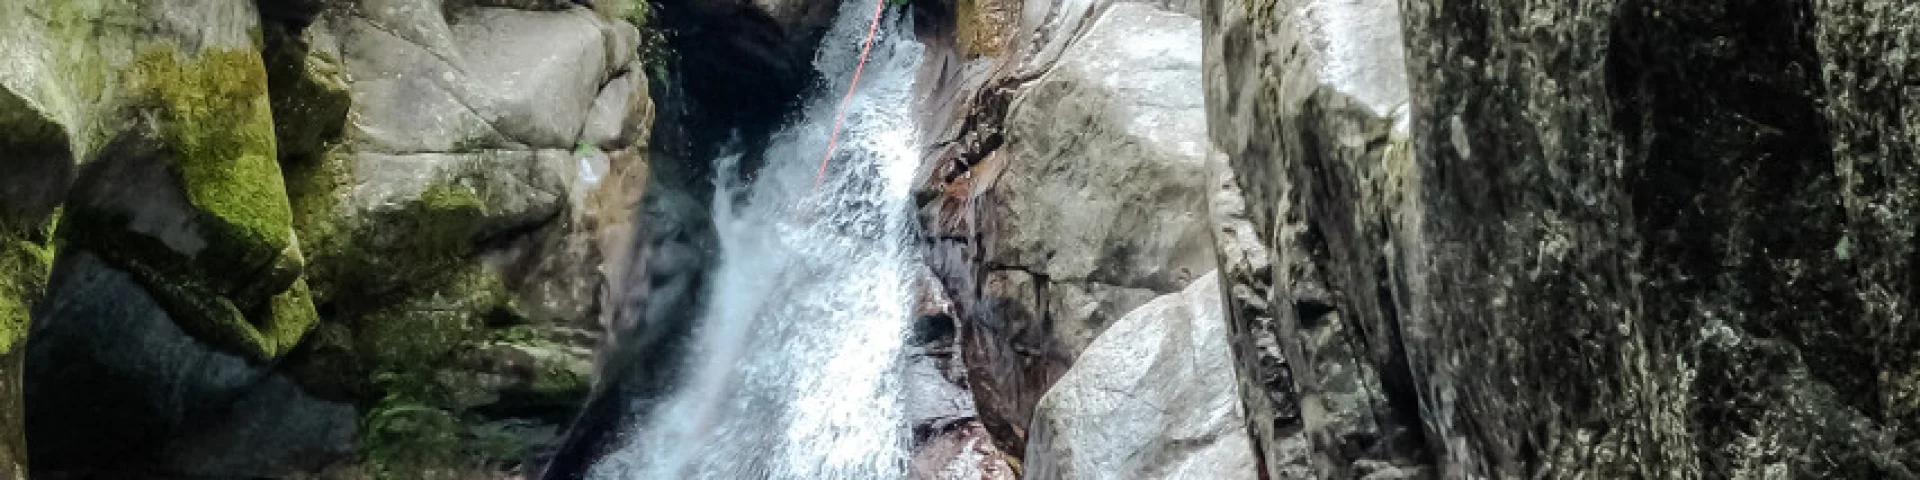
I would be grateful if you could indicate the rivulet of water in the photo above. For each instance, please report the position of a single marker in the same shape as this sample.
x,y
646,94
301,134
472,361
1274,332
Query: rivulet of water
x,y
795,371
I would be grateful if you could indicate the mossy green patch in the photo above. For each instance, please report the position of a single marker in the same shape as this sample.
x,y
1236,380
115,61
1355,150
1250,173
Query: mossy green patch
x,y
194,294
23,275
560,380
426,328
654,54
449,214
287,319
315,188
215,114
418,417
383,253
556,377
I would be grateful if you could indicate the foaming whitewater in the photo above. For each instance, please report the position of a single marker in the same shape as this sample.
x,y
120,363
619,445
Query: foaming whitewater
x,y
795,372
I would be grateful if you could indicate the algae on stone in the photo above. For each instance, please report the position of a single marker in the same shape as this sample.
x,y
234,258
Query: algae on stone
x,y
215,113
23,274
416,418
235,281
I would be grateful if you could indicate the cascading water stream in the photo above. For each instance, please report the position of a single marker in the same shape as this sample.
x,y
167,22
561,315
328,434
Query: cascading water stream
x,y
795,368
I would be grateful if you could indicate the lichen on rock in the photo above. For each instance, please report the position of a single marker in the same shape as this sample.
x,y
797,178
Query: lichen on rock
x,y
23,271
213,131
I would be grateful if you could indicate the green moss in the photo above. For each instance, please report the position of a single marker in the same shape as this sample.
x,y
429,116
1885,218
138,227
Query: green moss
x,y
400,437
288,318
560,380
24,265
412,349
23,274
556,377
653,52
194,295
215,116
449,213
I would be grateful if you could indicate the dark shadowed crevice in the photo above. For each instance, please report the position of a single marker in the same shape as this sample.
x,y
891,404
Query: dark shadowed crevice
x,y
1731,171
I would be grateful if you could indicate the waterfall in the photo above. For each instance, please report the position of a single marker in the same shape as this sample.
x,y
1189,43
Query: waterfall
x,y
795,366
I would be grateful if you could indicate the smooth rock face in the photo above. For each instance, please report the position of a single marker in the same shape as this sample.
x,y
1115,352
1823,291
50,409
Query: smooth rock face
x,y
479,78
1633,239
1101,177
1084,201
1154,397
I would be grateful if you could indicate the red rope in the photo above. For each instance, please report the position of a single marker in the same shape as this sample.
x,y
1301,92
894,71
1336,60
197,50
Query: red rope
x,y
880,6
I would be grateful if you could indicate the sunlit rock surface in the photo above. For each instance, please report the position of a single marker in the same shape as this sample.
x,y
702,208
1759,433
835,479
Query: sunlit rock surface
x,y
1154,397
1068,197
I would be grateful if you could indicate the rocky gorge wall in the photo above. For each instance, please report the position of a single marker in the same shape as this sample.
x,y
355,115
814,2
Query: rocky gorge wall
x,y
268,239
1164,239
1465,240
1578,240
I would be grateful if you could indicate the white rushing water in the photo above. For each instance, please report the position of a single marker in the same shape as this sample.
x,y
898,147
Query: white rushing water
x,y
795,371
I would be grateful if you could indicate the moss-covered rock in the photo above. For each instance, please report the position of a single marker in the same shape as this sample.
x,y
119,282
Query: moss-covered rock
x,y
23,273
229,270
215,116
35,168
416,402
383,253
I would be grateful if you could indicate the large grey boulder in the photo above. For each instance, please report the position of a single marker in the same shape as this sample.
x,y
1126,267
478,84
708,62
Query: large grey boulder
x,y
474,79
1101,178
1152,398
473,226
1091,203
